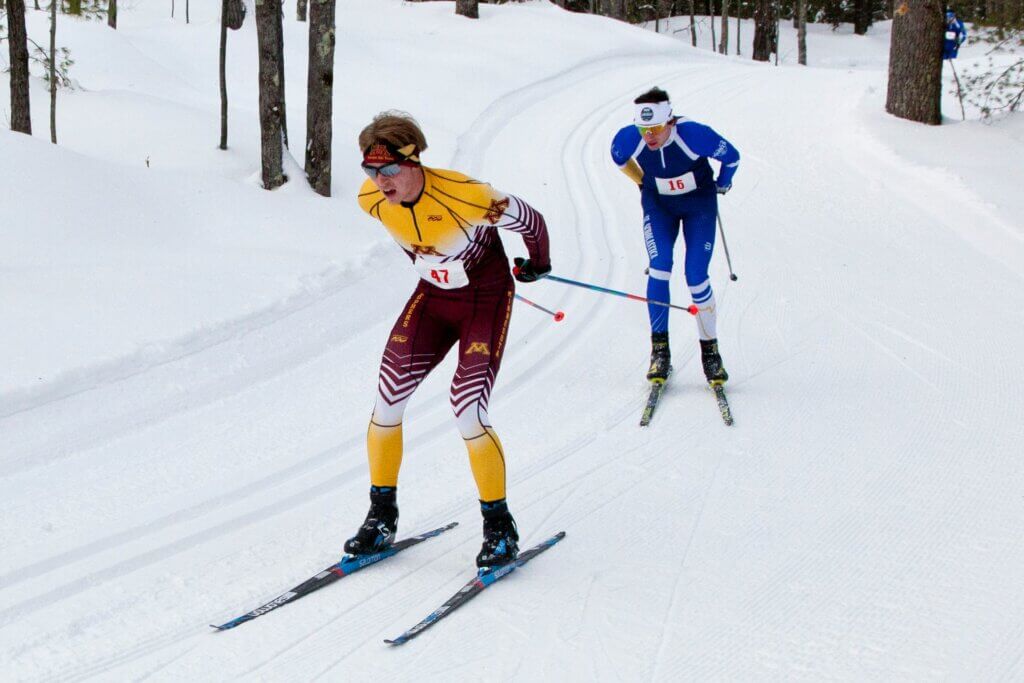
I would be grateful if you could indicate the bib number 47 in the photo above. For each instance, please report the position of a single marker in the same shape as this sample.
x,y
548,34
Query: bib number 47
x,y
439,275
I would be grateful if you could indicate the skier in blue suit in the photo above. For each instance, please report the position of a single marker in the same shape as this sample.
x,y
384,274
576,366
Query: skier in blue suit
x,y
667,156
956,34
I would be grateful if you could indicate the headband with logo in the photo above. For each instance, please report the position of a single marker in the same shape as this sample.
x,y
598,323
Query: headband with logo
x,y
386,153
652,113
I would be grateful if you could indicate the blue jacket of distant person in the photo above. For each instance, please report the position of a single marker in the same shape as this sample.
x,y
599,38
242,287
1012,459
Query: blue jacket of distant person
x,y
956,34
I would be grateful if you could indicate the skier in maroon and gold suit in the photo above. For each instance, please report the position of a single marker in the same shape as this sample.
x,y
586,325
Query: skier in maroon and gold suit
x,y
447,223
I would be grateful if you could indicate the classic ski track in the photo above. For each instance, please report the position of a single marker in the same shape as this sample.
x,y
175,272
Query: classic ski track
x,y
322,459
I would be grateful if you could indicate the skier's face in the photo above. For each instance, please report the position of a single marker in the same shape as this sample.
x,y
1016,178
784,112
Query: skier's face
x,y
656,136
405,186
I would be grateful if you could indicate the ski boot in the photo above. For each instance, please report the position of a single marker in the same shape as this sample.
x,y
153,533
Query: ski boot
x,y
380,526
501,539
661,358
712,362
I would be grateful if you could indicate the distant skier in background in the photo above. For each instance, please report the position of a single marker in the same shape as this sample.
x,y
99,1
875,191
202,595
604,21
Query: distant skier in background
x,y
447,224
956,34
667,156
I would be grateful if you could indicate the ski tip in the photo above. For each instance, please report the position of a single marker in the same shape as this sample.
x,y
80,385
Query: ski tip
x,y
396,641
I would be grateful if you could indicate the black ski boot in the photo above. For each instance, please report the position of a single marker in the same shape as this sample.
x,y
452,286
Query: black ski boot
x,y
661,358
501,539
381,524
712,362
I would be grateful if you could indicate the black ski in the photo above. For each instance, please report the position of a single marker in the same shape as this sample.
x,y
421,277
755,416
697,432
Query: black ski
x,y
723,403
347,565
472,589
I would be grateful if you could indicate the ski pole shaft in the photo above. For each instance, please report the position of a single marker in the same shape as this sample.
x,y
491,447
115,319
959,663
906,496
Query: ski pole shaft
x,y
725,246
557,315
692,309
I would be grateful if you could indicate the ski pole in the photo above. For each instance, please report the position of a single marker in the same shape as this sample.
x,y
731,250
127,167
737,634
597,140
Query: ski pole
x,y
692,309
725,245
959,91
558,316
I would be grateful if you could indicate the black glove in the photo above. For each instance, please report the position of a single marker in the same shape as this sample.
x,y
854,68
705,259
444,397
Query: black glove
x,y
722,189
525,272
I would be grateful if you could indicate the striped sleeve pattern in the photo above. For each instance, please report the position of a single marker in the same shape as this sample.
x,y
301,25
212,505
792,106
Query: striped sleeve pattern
x,y
522,218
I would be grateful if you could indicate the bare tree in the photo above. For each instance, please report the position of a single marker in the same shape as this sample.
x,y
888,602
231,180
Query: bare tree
x,y
723,46
112,13
915,62
268,33
764,28
801,32
300,9
320,96
739,12
232,14
693,23
468,8
17,40
711,21
53,71
224,9
862,16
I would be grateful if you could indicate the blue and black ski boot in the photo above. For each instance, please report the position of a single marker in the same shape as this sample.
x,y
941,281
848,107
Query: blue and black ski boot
x,y
501,539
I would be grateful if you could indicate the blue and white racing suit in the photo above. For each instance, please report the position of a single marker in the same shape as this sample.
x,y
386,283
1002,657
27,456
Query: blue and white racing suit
x,y
677,184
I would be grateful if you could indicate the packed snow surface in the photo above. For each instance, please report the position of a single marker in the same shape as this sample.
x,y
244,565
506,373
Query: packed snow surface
x,y
190,361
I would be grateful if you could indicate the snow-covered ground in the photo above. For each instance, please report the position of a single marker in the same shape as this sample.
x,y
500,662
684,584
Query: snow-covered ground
x,y
190,362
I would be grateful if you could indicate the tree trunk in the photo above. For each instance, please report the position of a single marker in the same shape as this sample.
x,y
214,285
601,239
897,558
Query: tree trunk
x,y
693,23
915,62
17,39
320,96
300,9
224,10
738,39
723,45
53,71
764,27
186,11
468,8
268,27
711,21
112,14
801,32
862,16
280,70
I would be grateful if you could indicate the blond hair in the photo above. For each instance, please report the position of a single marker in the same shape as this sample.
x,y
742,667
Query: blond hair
x,y
394,127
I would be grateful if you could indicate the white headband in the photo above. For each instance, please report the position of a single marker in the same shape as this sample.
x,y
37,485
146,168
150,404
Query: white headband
x,y
652,113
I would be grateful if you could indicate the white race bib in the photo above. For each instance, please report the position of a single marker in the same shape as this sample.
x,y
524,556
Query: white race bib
x,y
678,185
447,275
950,35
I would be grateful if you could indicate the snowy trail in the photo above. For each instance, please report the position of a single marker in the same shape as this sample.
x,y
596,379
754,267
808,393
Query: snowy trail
x,y
852,524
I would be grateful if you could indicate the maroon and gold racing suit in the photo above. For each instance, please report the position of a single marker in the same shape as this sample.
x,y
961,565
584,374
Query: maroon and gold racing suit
x,y
464,296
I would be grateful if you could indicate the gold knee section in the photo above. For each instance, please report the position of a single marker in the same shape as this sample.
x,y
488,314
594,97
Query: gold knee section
x,y
487,459
384,449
